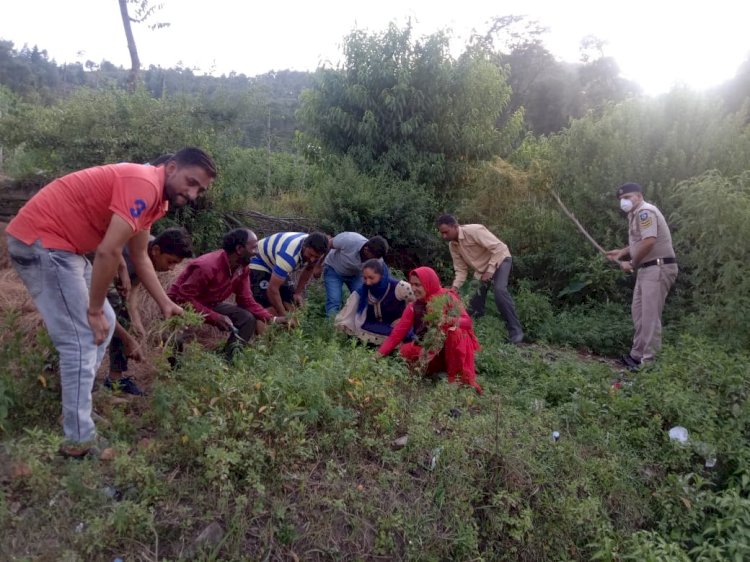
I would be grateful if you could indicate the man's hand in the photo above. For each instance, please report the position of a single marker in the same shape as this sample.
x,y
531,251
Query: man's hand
x,y
288,321
123,286
318,269
299,299
626,266
225,323
122,281
138,330
99,326
171,309
614,255
133,349
487,275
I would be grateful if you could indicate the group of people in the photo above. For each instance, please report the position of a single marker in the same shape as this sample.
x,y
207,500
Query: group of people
x,y
87,304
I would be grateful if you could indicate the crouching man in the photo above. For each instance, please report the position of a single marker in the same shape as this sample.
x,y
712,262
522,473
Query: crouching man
x,y
208,281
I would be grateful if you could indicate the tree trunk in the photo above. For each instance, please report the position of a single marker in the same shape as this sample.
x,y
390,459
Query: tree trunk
x,y
268,148
135,63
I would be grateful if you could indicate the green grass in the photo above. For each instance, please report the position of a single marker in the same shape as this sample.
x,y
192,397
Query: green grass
x,y
290,448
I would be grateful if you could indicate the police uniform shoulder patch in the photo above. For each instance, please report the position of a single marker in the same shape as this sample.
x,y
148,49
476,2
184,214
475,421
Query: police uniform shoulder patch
x,y
645,219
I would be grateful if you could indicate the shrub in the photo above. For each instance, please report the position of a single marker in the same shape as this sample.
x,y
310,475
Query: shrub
x,y
401,211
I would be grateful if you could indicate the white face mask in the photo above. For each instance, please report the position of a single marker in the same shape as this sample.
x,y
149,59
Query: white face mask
x,y
626,205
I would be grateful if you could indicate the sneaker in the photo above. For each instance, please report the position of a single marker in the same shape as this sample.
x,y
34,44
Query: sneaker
x,y
233,349
631,363
79,450
125,384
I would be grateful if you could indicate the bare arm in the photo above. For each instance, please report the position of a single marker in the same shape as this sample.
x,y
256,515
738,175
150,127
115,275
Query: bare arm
x,y
618,254
122,281
635,258
132,348
304,279
274,294
136,323
460,268
106,262
644,248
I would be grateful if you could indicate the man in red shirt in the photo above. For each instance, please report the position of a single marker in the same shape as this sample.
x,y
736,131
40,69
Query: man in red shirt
x,y
208,280
100,210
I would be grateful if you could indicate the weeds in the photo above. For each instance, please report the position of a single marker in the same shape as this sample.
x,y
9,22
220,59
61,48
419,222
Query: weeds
x,y
290,448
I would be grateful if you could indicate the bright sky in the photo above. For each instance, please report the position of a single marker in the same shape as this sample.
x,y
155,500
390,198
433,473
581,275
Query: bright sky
x,y
657,43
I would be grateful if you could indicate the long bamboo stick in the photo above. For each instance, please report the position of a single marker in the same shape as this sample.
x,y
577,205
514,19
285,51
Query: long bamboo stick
x,y
572,217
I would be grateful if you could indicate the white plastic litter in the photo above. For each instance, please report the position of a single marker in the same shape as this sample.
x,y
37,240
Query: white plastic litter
x,y
678,433
434,457
555,436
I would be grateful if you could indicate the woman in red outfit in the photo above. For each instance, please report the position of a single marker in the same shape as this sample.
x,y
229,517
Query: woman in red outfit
x,y
454,325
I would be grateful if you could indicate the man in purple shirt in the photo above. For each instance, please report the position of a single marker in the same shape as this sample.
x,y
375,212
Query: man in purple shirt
x,y
208,280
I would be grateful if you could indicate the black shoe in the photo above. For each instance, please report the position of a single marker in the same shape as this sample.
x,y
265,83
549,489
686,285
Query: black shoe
x,y
630,362
232,349
125,384
517,339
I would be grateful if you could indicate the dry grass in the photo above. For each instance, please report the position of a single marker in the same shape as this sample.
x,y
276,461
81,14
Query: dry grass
x,y
4,257
494,188
14,297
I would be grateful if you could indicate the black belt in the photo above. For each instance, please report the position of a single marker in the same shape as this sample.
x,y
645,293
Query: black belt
x,y
657,261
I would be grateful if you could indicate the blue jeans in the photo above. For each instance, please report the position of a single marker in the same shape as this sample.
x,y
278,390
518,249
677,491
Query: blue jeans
x,y
59,283
334,284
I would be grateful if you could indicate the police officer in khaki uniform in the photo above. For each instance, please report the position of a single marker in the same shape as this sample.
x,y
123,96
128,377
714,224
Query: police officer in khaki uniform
x,y
650,253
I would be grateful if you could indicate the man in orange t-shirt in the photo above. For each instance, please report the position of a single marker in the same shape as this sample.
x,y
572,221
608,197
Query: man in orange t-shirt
x,y
98,209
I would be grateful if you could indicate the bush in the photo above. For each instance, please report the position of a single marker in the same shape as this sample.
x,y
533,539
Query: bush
x,y
603,329
402,212
93,127
712,226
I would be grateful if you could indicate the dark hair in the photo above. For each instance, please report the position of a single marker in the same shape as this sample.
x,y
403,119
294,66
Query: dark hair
x,y
317,241
447,219
378,246
163,159
376,264
174,241
192,156
234,238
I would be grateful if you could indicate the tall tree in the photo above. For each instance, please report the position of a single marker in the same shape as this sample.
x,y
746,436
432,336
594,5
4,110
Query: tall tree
x,y
143,11
407,107
543,88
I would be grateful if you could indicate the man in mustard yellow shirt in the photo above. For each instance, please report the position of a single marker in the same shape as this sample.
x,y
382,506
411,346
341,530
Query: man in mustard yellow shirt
x,y
473,246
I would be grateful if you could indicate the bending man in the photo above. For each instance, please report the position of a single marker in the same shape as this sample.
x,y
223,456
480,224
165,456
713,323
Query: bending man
x,y
97,209
472,245
209,280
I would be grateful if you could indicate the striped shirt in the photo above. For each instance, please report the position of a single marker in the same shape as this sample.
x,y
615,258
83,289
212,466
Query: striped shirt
x,y
280,253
